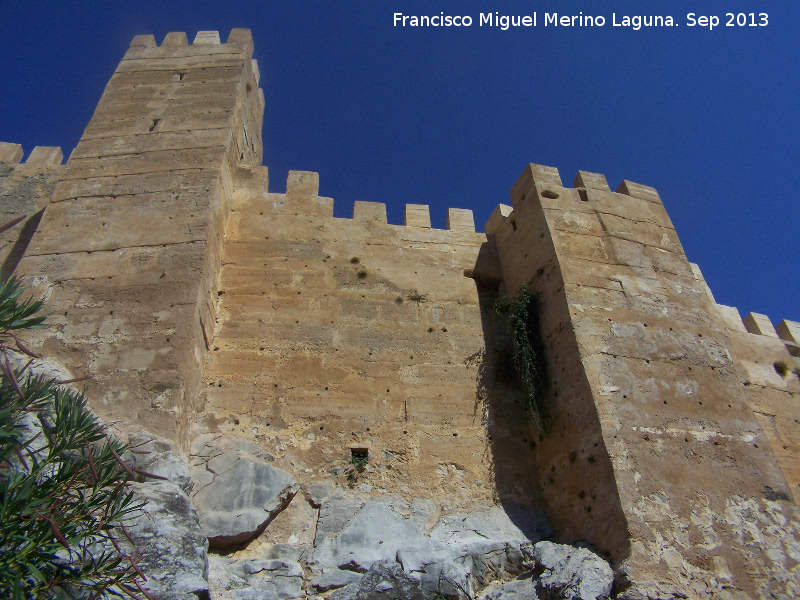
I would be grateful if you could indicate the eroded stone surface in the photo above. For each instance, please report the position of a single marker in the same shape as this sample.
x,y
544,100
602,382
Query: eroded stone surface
x,y
384,580
334,579
237,497
173,546
374,534
256,579
571,573
523,589
458,556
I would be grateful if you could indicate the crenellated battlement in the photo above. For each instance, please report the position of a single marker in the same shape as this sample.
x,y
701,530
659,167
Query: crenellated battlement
x,y
786,331
302,193
545,184
40,155
238,40
200,302
205,51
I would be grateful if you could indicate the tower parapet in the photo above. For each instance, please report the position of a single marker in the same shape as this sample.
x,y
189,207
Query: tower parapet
x,y
131,241
644,389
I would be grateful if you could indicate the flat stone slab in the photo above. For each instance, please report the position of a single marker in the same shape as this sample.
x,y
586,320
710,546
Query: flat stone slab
x,y
375,533
236,497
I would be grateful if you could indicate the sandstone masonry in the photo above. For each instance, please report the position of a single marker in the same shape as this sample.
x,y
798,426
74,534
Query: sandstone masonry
x,y
202,303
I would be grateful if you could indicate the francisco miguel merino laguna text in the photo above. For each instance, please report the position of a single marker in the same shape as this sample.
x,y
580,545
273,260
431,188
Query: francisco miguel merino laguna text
x,y
505,22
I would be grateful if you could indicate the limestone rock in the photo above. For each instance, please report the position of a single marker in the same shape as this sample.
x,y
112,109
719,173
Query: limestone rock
x,y
520,589
335,513
155,455
317,493
463,569
334,579
385,580
571,573
236,497
256,579
222,577
47,367
653,590
167,533
374,534
509,522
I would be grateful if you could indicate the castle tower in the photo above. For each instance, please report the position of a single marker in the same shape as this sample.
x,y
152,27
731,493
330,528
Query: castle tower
x,y
653,453
130,243
200,304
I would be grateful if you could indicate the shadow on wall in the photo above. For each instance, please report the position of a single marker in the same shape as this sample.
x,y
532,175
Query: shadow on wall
x,y
20,246
563,471
501,400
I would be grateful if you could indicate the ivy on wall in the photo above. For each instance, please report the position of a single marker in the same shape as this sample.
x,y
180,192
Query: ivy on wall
x,y
522,317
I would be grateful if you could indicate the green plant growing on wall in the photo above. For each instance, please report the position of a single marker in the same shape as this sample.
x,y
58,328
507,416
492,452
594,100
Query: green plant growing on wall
x,y
415,296
781,368
359,459
359,462
63,493
520,315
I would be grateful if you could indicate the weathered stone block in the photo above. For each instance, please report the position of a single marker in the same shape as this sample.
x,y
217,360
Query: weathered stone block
x,y
759,325
369,211
417,215
595,181
10,153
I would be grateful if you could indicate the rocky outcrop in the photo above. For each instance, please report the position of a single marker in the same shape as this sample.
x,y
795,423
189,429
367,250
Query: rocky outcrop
x,y
236,494
519,589
167,533
256,578
385,580
456,558
334,579
571,573
155,455
362,546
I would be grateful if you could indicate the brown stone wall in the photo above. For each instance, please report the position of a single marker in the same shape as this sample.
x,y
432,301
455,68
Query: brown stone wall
x,y
575,475
25,191
694,473
198,302
760,353
130,243
321,347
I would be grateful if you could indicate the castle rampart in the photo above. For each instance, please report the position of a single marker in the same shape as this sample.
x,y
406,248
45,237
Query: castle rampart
x,y
130,242
646,392
200,302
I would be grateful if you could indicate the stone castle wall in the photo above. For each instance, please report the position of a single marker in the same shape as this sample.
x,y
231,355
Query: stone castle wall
x,y
200,302
652,423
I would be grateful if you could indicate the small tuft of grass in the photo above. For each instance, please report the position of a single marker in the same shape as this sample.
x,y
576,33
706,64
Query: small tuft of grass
x,y
781,368
430,329
398,300
362,274
415,296
355,260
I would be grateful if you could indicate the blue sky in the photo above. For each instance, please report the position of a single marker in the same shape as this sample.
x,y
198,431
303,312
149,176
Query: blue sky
x,y
450,116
